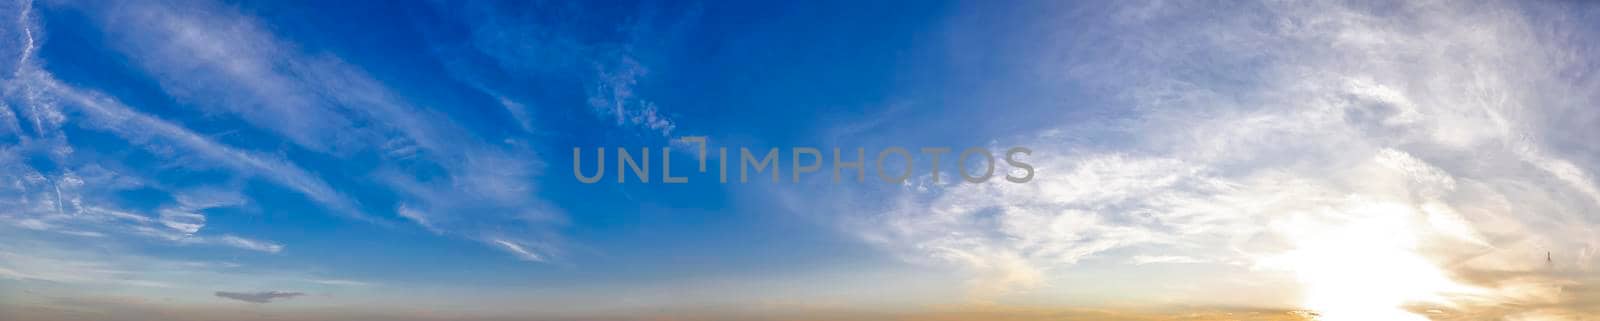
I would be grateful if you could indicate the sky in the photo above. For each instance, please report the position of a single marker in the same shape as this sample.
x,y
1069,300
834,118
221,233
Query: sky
x,y
422,160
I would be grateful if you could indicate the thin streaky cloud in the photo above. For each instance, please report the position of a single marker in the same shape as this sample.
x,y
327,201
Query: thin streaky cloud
x,y
259,297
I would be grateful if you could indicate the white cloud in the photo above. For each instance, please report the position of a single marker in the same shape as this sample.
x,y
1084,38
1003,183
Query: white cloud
x,y
519,249
255,66
610,70
1163,259
249,244
222,63
212,57
518,111
1272,130
184,222
106,114
416,216
613,95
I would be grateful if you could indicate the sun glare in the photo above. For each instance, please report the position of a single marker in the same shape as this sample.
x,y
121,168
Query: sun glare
x,y
1362,264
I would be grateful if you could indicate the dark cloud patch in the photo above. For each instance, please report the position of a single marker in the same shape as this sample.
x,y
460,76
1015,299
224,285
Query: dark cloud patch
x,y
258,297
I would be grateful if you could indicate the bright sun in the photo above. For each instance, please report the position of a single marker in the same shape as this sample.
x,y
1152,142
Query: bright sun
x,y
1360,263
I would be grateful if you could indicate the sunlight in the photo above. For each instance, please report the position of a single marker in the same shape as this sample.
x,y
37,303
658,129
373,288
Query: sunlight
x,y
1363,265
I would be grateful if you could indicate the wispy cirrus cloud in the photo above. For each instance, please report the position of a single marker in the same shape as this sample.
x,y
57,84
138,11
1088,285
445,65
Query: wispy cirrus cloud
x,y
234,66
46,268
519,249
610,69
249,244
337,282
22,266
613,94
105,113
73,199
1426,141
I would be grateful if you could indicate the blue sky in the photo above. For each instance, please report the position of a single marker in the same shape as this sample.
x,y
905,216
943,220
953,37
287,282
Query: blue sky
x,y
377,160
